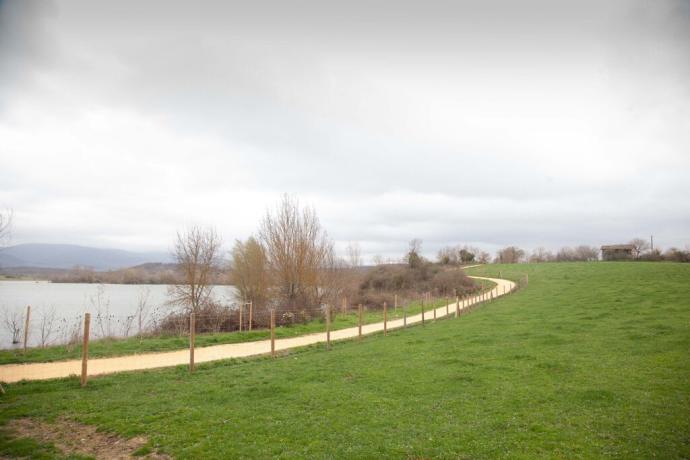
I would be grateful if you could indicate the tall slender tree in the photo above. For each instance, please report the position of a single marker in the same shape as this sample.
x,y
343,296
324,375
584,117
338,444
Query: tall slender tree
x,y
197,253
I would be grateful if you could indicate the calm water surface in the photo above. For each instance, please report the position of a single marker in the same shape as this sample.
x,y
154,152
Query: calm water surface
x,y
69,301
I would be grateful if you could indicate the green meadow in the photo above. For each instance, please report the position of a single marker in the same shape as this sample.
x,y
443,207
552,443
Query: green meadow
x,y
590,360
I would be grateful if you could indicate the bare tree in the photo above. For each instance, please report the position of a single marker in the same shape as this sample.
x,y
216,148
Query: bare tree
x,y
143,310
510,255
586,253
639,246
12,320
334,279
447,255
566,254
297,249
354,255
541,255
197,252
100,303
414,258
47,325
483,257
250,271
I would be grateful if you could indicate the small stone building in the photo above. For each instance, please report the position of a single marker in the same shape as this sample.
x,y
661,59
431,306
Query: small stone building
x,y
617,252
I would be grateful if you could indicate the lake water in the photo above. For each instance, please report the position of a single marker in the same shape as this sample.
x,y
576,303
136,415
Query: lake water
x,y
69,301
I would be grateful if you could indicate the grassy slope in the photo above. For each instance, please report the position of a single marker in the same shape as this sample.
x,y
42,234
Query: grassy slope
x,y
590,360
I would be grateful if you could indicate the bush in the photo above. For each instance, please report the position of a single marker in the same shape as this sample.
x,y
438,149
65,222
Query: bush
x,y
382,283
452,282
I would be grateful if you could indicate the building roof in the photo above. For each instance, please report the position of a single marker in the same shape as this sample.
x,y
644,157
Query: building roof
x,y
620,247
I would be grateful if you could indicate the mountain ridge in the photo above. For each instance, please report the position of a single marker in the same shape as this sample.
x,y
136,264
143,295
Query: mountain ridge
x,y
65,256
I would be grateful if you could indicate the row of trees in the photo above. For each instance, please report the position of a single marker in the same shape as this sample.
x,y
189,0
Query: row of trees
x,y
641,250
289,262
457,255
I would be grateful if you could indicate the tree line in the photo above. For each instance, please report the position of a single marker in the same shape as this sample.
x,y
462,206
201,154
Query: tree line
x,y
641,251
290,261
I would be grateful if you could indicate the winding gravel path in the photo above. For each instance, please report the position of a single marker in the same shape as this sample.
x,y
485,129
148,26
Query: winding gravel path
x,y
43,371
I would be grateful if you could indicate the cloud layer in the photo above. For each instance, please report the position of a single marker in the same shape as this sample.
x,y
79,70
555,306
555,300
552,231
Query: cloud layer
x,y
547,123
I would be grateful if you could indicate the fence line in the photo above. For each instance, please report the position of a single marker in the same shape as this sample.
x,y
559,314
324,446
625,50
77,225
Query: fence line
x,y
191,325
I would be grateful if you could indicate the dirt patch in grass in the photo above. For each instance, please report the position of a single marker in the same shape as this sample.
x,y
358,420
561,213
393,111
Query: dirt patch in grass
x,y
72,437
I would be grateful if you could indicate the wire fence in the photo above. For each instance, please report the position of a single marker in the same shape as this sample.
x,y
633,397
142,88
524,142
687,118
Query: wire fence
x,y
43,336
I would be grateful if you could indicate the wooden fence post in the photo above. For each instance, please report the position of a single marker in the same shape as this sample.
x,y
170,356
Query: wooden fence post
x,y
395,304
240,313
345,305
273,332
328,326
457,306
85,349
359,322
26,326
446,301
251,313
422,312
404,307
192,340
434,308
385,318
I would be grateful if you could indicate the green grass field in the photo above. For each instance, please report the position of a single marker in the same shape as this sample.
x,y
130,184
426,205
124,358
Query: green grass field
x,y
590,360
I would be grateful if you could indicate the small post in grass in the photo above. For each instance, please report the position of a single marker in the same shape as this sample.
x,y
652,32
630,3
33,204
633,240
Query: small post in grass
x,y
434,308
385,318
240,313
345,305
273,332
395,303
328,326
457,306
359,322
251,304
446,301
85,349
404,307
26,326
192,340
422,312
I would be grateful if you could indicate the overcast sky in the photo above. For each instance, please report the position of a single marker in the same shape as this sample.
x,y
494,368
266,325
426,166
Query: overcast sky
x,y
490,123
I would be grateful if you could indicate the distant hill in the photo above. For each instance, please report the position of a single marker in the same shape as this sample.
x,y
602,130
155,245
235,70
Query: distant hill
x,y
69,256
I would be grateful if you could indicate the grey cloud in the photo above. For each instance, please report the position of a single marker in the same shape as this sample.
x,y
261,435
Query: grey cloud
x,y
533,123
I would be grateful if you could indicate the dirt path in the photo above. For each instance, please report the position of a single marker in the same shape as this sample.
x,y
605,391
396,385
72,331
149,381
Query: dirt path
x,y
43,371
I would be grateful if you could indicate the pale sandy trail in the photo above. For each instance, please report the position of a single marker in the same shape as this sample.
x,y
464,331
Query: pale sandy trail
x,y
43,371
